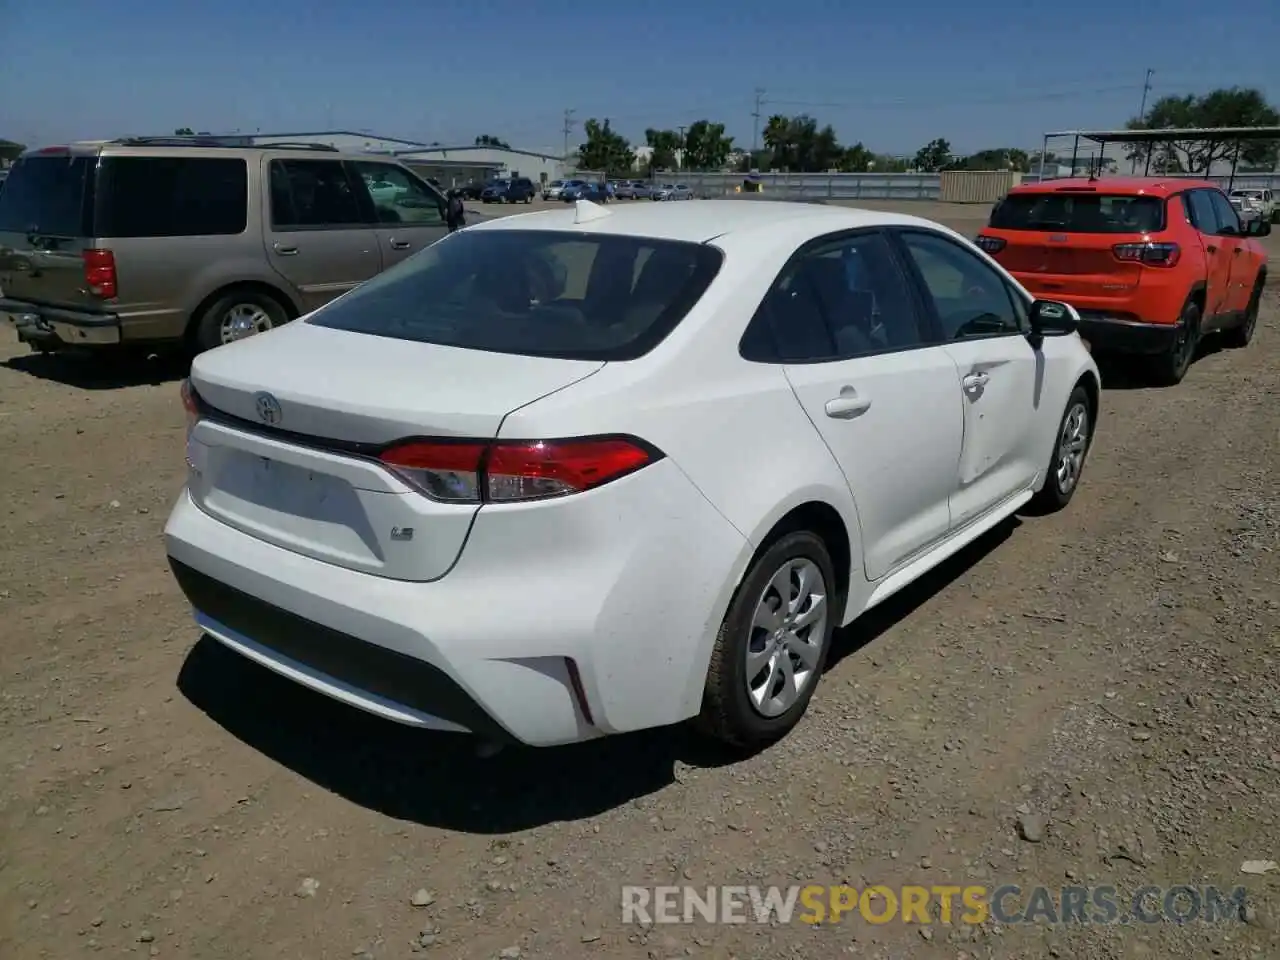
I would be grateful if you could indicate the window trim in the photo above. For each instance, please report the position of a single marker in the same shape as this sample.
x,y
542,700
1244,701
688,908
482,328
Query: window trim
x,y
926,322
898,235
364,202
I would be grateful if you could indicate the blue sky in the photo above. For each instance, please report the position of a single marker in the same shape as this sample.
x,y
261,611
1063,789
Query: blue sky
x,y
892,75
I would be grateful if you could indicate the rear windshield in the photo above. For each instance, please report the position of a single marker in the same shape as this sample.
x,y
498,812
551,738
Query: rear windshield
x,y
171,196
1079,213
536,293
48,195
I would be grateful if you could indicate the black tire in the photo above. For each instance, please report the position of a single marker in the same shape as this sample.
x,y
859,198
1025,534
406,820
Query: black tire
x,y
1056,494
207,331
728,714
1168,368
1238,337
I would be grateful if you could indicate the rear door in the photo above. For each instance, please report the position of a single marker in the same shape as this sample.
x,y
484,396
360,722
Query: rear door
x,y
878,388
996,368
1207,218
410,214
1234,247
46,224
319,235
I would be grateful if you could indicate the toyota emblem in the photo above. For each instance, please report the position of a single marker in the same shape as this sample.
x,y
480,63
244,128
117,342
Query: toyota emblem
x,y
268,407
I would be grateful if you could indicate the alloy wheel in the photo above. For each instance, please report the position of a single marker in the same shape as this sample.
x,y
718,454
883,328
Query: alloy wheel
x,y
787,631
243,320
1072,446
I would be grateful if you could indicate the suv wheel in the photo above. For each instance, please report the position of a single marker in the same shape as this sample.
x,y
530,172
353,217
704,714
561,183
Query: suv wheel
x,y
1239,336
772,646
1170,367
236,315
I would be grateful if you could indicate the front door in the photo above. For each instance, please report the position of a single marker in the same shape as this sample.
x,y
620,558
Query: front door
x,y
880,392
318,237
1233,246
998,376
410,214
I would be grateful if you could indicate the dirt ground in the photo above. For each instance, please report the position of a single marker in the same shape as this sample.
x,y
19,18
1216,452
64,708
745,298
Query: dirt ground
x,y
1091,698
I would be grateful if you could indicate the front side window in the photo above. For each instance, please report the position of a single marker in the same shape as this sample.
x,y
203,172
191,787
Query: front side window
x,y
1200,211
1228,219
398,197
533,292
969,297
312,194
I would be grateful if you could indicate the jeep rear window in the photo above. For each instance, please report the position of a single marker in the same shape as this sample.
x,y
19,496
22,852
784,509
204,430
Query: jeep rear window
x,y
1065,212
48,195
537,293
171,196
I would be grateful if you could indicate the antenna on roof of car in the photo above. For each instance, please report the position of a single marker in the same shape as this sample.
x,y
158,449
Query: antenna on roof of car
x,y
584,211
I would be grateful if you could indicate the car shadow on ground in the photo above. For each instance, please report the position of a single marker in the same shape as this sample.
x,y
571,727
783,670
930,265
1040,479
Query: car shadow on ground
x,y
104,371
1129,373
440,779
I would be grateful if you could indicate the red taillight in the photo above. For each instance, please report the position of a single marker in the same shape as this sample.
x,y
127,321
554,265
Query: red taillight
x,y
1151,254
505,471
990,244
100,273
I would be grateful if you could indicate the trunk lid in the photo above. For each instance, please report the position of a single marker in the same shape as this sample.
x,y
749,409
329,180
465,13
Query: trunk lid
x,y
308,481
1061,242
46,224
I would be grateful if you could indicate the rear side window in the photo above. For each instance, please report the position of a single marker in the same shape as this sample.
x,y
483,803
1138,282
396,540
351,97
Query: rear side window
x,y
312,194
1064,212
171,196
535,293
48,195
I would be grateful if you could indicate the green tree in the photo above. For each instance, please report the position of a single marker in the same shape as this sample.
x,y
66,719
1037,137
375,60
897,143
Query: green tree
x,y
998,158
856,159
605,149
487,140
1229,107
933,156
705,146
796,143
184,132
663,147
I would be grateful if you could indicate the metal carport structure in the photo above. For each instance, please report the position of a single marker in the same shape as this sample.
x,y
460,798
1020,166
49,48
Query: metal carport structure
x,y
1151,138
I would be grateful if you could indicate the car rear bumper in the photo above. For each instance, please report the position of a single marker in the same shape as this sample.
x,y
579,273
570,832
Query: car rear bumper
x,y
37,323
1109,334
626,589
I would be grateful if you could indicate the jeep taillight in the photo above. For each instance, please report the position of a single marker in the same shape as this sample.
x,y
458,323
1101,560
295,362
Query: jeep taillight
x,y
100,273
992,245
1150,254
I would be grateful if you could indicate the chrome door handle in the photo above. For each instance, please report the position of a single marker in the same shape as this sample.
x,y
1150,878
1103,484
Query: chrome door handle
x,y
975,381
399,244
284,250
847,406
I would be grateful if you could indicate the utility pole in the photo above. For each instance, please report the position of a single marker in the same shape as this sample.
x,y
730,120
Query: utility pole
x,y
755,115
568,126
680,153
1142,116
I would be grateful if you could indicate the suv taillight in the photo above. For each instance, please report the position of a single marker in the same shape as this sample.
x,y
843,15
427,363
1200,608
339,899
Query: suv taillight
x,y
191,404
506,471
100,273
991,245
1151,254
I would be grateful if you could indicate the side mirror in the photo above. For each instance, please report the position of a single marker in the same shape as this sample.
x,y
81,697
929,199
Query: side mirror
x,y
1257,227
1053,318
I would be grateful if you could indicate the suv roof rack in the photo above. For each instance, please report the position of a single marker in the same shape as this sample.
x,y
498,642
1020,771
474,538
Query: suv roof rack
x,y
231,141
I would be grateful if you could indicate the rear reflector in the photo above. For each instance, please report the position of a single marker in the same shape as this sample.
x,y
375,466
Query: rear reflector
x,y
1151,254
507,471
990,244
191,404
100,273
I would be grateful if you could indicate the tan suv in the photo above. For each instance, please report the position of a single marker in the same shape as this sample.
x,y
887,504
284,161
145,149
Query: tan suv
x,y
196,240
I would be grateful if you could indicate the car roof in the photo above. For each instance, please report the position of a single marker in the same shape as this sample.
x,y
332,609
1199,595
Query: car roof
x,y
704,220
1147,186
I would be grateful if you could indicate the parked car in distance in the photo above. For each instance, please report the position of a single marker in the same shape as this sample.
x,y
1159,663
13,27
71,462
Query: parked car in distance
x,y
552,190
516,190
1250,203
593,190
196,241
372,490
1151,264
629,189
473,189
662,191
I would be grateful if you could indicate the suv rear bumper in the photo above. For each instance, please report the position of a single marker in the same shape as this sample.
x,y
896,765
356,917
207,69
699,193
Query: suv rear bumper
x,y
1109,334
37,323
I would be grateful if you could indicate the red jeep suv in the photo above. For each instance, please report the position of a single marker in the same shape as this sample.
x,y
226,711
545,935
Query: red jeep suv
x,y
1151,264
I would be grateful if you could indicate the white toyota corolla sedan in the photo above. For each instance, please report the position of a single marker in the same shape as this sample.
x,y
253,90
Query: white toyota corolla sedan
x,y
592,470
